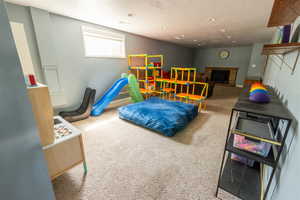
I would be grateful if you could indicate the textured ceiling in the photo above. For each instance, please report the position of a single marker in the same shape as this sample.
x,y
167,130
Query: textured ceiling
x,y
188,22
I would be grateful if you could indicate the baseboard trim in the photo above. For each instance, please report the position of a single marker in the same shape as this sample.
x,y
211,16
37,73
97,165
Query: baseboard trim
x,y
119,101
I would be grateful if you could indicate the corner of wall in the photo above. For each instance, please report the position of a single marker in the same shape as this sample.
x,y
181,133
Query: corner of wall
x,y
43,31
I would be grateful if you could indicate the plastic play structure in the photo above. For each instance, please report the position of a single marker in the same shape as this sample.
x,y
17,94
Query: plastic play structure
x,y
133,88
115,89
146,78
259,93
181,85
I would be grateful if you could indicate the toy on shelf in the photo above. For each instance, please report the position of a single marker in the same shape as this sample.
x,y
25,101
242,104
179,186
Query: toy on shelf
x,y
251,145
259,93
30,80
242,159
60,129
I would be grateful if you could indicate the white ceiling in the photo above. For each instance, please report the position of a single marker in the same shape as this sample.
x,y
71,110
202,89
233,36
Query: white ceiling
x,y
237,22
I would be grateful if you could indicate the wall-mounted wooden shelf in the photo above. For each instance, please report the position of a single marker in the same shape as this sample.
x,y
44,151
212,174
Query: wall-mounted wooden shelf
x,y
280,49
284,12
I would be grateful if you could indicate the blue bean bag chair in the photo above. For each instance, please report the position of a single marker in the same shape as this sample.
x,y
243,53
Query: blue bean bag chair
x,y
163,116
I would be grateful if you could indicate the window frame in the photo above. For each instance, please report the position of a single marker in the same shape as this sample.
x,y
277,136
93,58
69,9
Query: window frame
x,y
110,35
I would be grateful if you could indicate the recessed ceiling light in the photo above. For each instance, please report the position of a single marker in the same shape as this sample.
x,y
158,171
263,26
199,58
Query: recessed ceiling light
x,y
211,19
223,30
195,40
228,36
182,36
124,22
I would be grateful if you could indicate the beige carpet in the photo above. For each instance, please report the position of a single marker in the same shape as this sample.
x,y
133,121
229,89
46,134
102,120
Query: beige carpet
x,y
127,162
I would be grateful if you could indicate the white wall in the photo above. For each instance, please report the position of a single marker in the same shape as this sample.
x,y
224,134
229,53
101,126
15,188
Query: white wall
x,y
257,61
280,76
21,42
289,90
78,72
21,14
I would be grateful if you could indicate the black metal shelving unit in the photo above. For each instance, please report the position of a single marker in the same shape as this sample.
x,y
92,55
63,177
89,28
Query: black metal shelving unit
x,y
268,123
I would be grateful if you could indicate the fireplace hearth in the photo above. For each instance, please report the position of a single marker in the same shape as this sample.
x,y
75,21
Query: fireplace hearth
x,y
222,75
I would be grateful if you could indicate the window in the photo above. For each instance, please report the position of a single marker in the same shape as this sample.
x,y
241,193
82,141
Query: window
x,y
102,43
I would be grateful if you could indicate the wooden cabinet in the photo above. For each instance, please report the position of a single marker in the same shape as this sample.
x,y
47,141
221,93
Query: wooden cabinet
x,y
64,156
61,153
66,151
43,112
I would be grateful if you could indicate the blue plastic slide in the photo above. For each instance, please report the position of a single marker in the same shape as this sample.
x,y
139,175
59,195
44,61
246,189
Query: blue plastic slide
x,y
108,96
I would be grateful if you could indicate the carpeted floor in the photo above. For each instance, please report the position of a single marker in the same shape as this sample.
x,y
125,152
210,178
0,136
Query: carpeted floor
x,y
127,162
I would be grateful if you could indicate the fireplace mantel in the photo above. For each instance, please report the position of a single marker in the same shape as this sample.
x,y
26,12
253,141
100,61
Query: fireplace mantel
x,y
232,75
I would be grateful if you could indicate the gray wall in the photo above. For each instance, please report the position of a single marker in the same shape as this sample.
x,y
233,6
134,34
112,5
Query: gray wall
x,y
23,172
21,14
239,57
257,61
77,72
279,76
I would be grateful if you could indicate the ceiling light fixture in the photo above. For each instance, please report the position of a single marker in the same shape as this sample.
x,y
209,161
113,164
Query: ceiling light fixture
x,y
182,36
223,30
177,38
195,40
211,19
228,36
